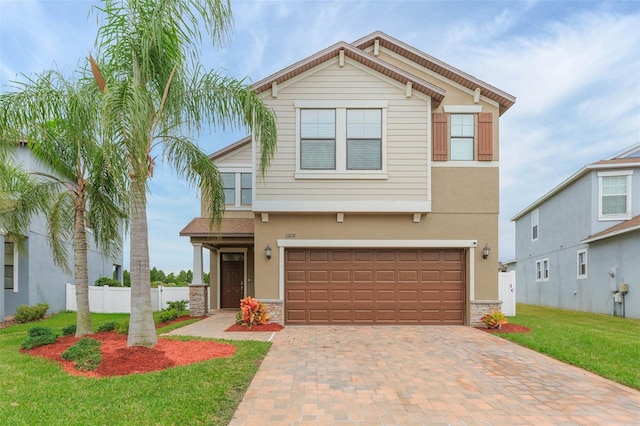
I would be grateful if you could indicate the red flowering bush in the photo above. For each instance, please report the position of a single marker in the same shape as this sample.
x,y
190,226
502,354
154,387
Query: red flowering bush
x,y
253,312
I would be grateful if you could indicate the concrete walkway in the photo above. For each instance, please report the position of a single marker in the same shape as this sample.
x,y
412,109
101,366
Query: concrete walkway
x,y
214,327
392,375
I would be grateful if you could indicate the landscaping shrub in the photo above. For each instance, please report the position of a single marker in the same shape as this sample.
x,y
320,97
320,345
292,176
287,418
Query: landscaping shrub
x,y
69,330
253,312
168,315
26,313
178,305
86,354
122,327
107,326
39,336
494,319
102,281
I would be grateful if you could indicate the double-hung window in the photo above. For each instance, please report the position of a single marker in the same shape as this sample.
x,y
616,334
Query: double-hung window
x,y
614,195
462,136
10,266
318,139
341,140
534,225
542,270
582,263
237,189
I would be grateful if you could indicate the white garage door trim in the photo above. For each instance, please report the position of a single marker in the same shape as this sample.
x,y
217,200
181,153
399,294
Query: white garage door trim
x,y
470,244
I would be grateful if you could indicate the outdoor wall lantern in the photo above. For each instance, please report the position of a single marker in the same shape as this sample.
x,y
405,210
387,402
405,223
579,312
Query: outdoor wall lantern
x,y
268,252
485,251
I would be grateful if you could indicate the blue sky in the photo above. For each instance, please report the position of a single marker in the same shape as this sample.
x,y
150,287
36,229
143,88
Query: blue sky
x,y
574,67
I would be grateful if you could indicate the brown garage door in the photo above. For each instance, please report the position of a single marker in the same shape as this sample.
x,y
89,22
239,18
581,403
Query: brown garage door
x,y
351,286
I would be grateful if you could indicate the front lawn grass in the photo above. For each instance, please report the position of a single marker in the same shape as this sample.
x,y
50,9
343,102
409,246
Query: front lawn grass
x,y
36,391
606,345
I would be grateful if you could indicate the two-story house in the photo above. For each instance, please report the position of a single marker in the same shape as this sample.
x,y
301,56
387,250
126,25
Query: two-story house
x,y
29,275
381,203
579,245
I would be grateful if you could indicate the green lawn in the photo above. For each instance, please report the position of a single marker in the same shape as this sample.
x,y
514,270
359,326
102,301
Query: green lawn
x,y
606,345
37,392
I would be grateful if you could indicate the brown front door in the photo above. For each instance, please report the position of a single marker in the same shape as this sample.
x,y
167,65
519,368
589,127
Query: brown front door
x,y
232,280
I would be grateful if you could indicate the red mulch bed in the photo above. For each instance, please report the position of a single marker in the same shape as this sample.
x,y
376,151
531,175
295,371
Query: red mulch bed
x,y
120,360
264,327
507,328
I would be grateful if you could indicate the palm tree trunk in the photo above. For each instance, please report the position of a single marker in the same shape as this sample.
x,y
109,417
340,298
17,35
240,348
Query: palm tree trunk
x,y
83,319
141,327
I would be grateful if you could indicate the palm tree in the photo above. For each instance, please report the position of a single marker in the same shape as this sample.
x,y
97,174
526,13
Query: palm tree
x,y
82,184
156,96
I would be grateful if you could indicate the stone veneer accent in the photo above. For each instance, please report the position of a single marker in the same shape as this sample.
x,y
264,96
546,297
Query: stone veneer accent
x,y
198,300
481,307
275,309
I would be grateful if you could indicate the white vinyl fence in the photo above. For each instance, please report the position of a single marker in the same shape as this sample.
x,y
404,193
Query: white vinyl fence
x,y
507,292
118,299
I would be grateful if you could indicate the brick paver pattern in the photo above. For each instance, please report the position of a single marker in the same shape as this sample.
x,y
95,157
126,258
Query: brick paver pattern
x,y
399,375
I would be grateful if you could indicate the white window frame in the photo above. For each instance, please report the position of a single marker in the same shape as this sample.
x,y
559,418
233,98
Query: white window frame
x,y
622,216
535,225
542,270
238,171
16,264
473,137
585,262
341,171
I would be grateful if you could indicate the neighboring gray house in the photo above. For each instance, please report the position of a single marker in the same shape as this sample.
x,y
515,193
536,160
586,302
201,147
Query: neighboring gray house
x,y
30,276
579,245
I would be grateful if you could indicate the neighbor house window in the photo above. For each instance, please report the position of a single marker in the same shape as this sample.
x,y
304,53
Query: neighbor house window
x,y
614,195
318,139
582,263
534,225
462,136
237,188
542,270
10,266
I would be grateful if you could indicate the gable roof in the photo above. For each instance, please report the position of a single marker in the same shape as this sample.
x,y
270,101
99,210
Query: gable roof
x,y
230,148
623,159
436,93
630,225
504,99
230,227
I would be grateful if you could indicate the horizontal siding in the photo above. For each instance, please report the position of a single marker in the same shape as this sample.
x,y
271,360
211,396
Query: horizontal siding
x,y
406,139
239,156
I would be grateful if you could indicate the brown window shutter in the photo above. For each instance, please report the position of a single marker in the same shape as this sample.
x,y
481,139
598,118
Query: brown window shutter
x,y
485,139
440,151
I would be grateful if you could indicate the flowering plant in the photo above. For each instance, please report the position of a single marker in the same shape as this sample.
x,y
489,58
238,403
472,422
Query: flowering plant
x,y
253,312
494,319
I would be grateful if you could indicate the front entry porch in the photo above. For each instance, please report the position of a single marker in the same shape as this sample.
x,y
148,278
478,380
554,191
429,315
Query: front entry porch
x,y
230,263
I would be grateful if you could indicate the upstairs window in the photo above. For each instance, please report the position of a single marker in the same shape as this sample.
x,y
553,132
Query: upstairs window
x,y
614,195
364,139
462,137
341,139
318,139
237,189
534,225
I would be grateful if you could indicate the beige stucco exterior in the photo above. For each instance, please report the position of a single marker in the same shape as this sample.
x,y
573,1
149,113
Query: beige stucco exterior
x,y
412,200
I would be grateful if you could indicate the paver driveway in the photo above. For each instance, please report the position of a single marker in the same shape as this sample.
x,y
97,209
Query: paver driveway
x,y
392,375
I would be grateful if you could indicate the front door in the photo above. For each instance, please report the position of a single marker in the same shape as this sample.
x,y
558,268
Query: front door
x,y
232,280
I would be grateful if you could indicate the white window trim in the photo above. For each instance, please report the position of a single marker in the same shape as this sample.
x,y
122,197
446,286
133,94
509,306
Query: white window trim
x,y
535,222
341,171
544,272
238,187
463,109
624,216
586,263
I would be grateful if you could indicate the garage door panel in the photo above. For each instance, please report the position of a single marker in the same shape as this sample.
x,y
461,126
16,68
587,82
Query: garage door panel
x,y
362,286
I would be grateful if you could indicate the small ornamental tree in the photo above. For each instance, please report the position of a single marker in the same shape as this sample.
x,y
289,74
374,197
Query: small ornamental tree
x,y
253,312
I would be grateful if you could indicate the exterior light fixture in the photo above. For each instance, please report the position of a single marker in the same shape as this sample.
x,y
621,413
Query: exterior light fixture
x,y
485,251
268,251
